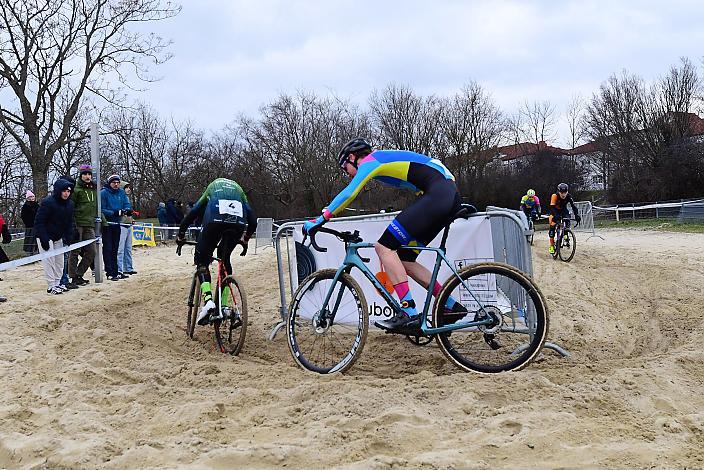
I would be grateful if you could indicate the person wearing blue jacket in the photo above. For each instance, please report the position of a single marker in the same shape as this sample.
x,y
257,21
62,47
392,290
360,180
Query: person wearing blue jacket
x,y
53,225
114,204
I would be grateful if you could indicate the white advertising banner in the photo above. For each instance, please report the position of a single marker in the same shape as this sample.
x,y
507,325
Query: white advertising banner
x,y
469,242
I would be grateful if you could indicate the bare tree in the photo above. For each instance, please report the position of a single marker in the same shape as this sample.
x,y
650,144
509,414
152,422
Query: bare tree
x,y
70,48
575,123
643,135
14,177
538,121
405,120
471,124
297,138
677,98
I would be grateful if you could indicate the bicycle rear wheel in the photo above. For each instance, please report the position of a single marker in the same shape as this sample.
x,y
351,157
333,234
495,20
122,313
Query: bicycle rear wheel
x,y
193,306
516,307
318,342
232,329
568,246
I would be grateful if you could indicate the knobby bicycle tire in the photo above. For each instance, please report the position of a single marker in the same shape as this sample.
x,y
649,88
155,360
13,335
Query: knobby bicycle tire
x,y
236,324
193,305
558,242
568,235
313,289
483,343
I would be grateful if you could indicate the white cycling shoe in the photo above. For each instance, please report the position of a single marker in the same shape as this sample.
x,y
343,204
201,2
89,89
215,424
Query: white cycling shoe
x,y
204,315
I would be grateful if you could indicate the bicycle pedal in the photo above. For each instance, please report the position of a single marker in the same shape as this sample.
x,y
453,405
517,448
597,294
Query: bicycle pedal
x,y
213,318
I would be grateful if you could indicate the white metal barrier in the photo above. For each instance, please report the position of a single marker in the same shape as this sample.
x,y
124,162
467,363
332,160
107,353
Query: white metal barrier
x,y
683,211
264,233
586,223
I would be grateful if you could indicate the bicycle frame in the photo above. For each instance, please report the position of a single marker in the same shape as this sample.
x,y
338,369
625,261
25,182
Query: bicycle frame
x,y
353,259
561,227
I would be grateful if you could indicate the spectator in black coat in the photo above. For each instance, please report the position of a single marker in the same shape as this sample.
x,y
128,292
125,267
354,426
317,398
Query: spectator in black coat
x,y
28,214
53,226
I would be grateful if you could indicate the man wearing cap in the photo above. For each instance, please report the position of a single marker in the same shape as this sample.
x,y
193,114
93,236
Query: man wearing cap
x,y
114,204
85,200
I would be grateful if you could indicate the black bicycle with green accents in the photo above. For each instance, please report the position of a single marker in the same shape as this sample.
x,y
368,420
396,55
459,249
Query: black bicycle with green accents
x,y
504,329
230,318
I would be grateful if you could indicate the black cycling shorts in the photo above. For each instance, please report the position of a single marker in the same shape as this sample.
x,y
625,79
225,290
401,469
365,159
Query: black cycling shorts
x,y
227,235
420,223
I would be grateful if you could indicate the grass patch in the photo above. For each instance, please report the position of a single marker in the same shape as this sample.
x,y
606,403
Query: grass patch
x,y
662,225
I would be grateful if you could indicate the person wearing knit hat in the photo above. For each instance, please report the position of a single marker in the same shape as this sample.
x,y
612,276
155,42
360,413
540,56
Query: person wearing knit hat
x,y
114,204
85,200
28,214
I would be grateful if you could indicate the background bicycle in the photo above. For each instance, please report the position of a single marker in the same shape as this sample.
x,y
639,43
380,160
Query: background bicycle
x,y
230,320
504,328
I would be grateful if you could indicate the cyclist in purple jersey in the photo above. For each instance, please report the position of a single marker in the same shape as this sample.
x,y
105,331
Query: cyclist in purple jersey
x,y
417,225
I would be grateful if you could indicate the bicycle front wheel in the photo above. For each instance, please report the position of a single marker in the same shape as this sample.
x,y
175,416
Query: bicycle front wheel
x,y
193,306
327,338
231,330
568,246
516,308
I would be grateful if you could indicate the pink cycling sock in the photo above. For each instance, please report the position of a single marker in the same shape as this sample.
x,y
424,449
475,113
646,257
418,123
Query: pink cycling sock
x,y
436,289
401,289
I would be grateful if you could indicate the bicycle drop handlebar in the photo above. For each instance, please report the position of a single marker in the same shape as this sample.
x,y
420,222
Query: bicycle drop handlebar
x,y
347,237
179,245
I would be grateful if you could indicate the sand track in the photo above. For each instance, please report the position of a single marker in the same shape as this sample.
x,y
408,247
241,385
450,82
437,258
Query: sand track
x,y
105,376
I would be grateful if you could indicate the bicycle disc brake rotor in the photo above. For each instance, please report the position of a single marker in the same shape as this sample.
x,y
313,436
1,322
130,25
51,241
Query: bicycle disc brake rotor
x,y
321,324
497,319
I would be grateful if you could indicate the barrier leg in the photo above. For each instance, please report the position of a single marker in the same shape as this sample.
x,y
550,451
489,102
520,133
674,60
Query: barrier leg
x,y
548,345
282,289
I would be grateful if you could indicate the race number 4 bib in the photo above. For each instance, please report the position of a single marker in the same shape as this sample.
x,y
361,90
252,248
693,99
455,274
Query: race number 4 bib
x,y
227,207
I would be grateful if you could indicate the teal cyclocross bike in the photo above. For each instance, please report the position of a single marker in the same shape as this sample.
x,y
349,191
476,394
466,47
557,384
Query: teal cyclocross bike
x,y
504,329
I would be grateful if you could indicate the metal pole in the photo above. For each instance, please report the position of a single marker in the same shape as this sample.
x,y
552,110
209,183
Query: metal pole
x,y
95,160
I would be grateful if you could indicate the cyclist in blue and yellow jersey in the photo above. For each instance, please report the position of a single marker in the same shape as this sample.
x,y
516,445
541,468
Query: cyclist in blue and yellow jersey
x,y
530,205
418,224
229,220
558,210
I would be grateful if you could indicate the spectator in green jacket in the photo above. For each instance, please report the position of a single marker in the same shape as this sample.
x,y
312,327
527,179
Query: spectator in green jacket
x,y
86,209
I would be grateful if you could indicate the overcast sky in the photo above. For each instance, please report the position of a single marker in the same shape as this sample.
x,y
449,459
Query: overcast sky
x,y
232,56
